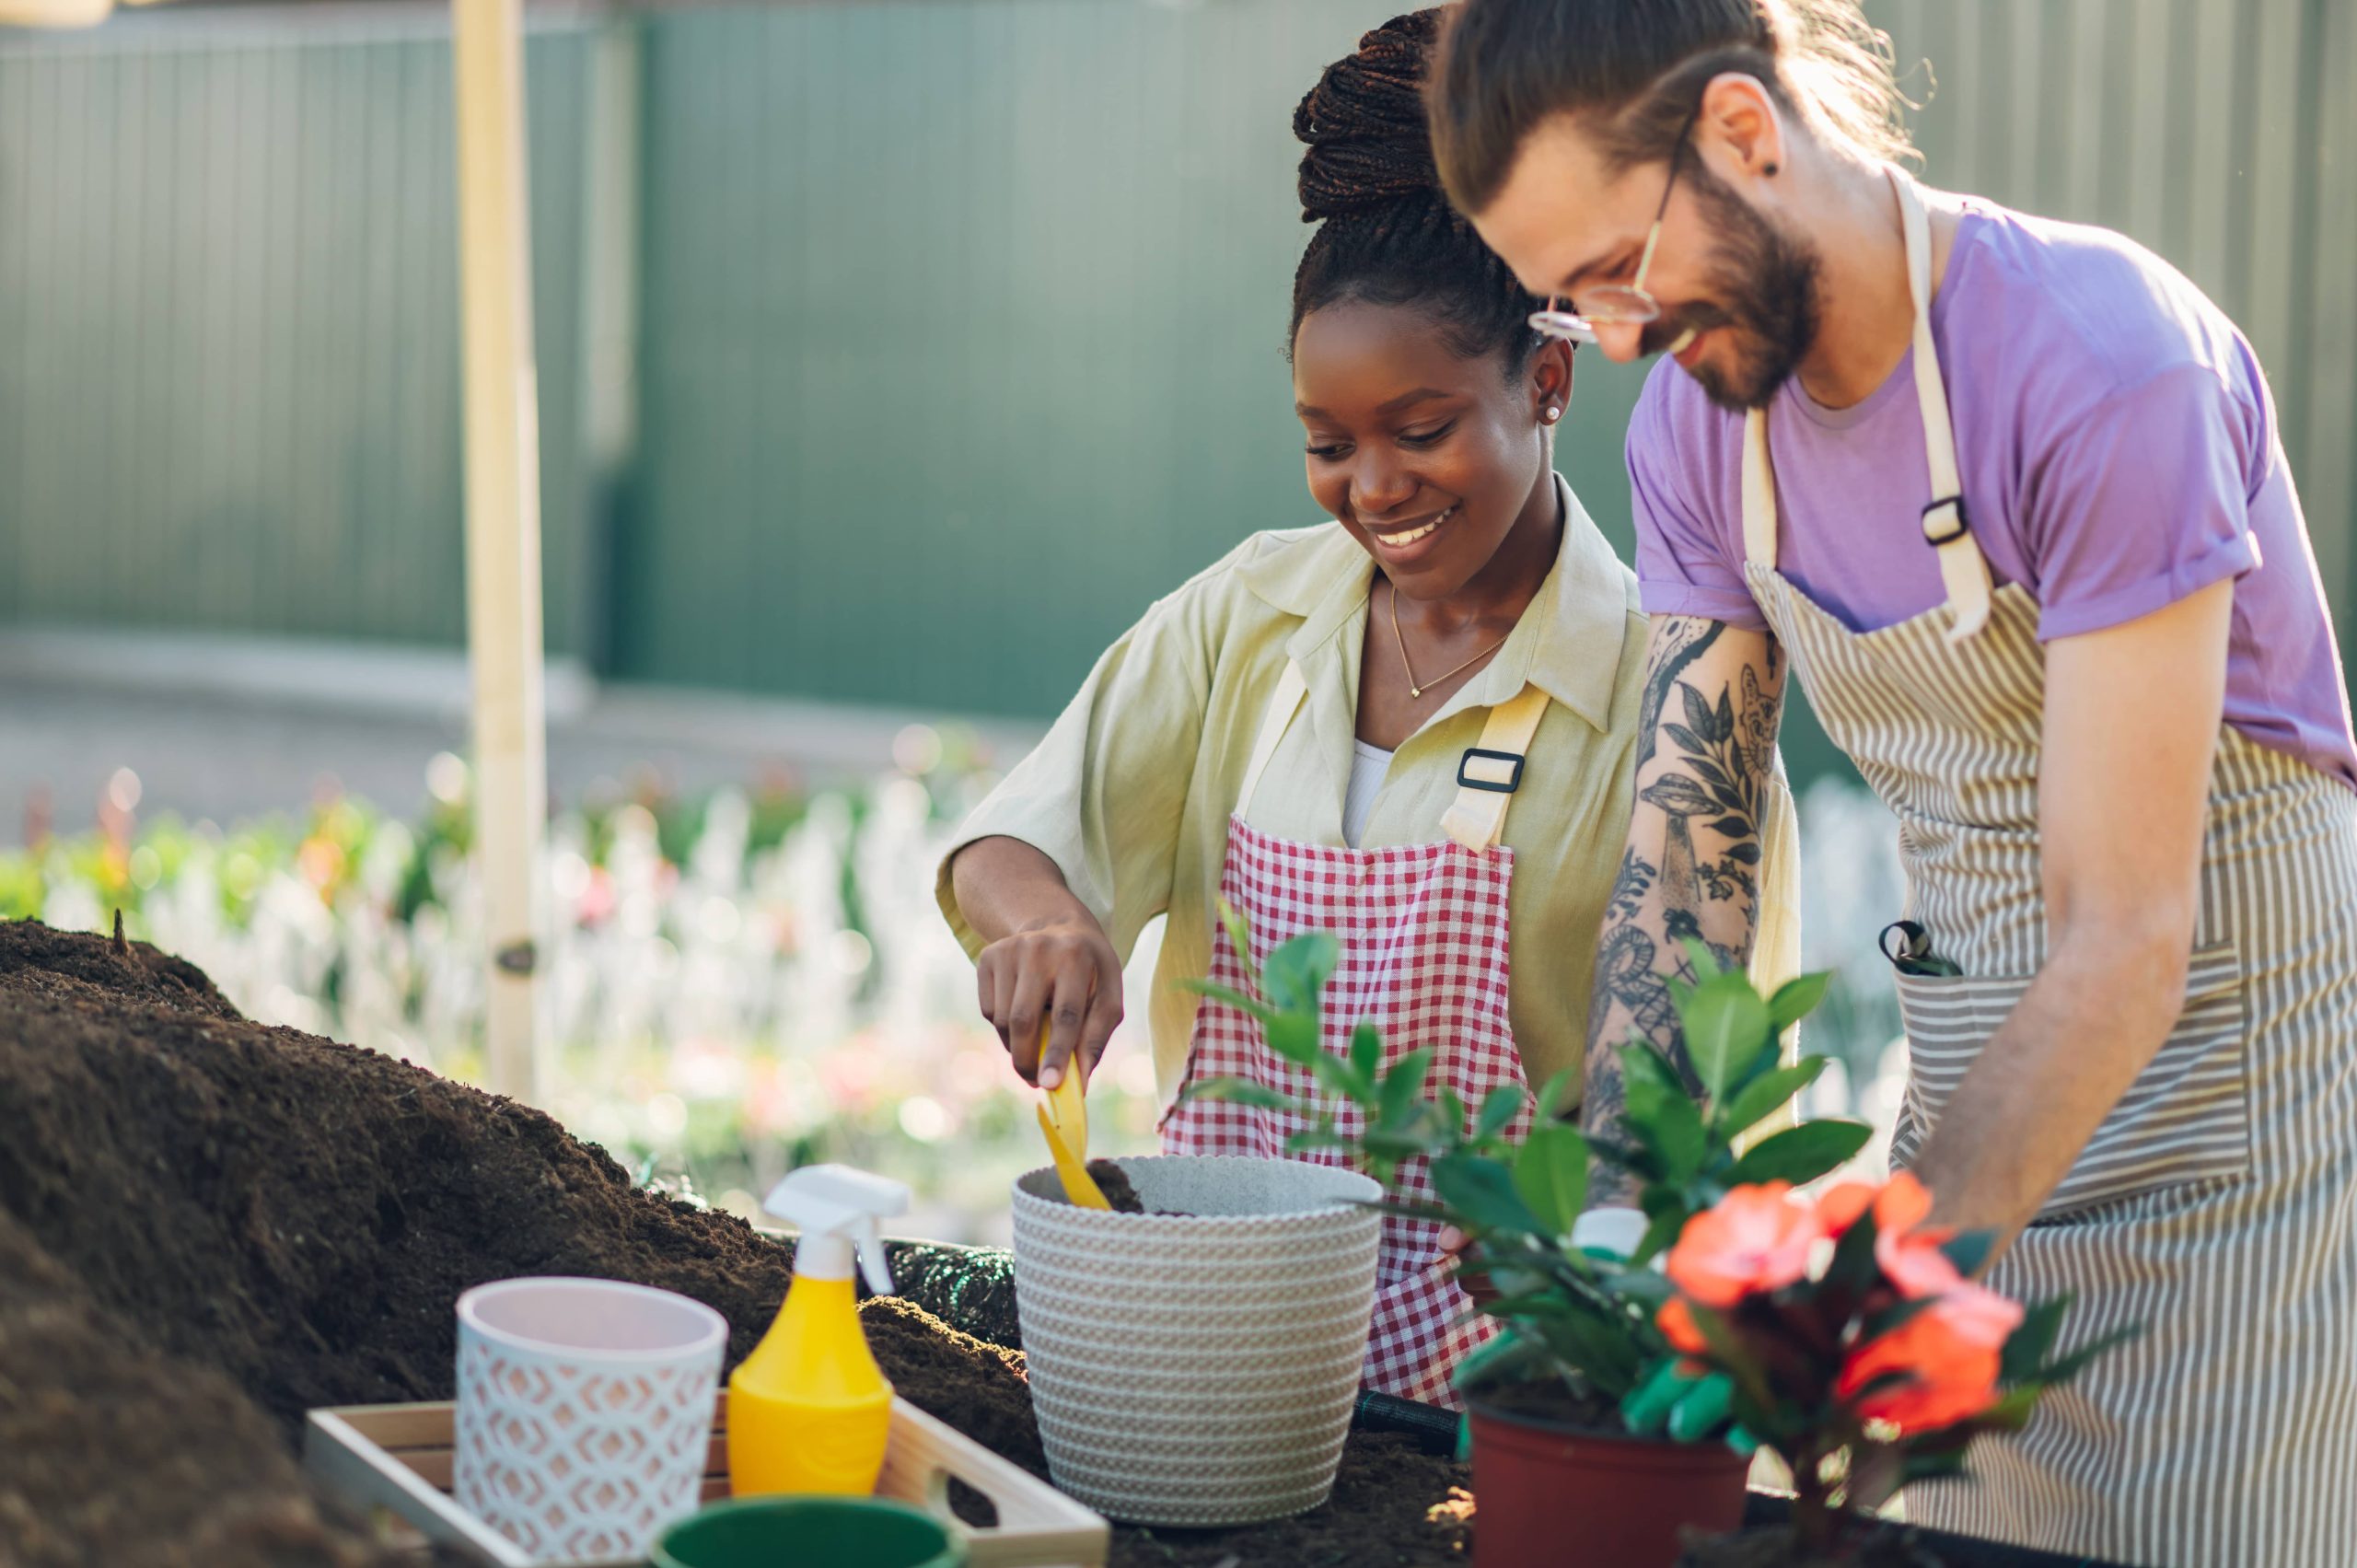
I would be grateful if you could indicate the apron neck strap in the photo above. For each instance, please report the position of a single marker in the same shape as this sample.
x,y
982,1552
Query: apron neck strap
x,y
1964,572
1488,775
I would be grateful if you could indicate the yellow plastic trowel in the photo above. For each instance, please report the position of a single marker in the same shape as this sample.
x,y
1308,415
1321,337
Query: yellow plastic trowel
x,y
1064,1116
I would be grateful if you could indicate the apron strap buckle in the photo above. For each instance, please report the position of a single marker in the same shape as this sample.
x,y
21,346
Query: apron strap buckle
x,y
1511,783
1945,531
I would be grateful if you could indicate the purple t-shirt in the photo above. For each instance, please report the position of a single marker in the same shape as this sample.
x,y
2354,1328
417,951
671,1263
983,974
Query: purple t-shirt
x,y
2119,449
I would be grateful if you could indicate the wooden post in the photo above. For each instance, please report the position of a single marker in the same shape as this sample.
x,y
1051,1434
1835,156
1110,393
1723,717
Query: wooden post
x,y
502,520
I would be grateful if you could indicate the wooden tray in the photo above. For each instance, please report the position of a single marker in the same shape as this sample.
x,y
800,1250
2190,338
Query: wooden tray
x,y
397,1458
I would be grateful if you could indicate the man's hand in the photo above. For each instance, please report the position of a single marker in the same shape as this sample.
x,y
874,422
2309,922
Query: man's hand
x,y
2131,727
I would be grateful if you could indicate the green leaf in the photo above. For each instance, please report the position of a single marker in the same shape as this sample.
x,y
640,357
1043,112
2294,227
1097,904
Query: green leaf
x,y
1727,1027
1757,1100
1310,1139
1499,1108
1482,1190
1547,1105
1239,937
1641,1062
1394,1146
1659,1235
1705,962
1671,1125
1599,1349
1703,1410
1297,971
1731,1358
1550,1172
1969,1250
1646,1409
1249,1006
2009,1414
1337,1073
1402,1087
1895,1316
2032,1340
1242,1091
1366,1049
2062,1369
1915,1466
1507,1354
1795,999
1644,1287
1801,1153
1854,1269
1294,1036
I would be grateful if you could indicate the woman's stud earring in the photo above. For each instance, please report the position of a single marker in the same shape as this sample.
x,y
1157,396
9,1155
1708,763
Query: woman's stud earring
x,y
1553,414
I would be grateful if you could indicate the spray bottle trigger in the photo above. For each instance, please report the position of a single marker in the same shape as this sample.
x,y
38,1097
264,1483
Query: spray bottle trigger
x,y
874,1266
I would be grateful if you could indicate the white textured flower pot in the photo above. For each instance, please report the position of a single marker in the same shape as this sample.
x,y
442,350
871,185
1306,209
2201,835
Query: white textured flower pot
x,y
1198,1370
585,1412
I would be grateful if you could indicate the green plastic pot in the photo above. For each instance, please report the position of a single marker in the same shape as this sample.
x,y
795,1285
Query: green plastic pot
x,y
841,1532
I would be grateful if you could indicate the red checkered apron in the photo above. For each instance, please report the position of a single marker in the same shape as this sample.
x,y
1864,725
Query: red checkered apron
x,y
1424,931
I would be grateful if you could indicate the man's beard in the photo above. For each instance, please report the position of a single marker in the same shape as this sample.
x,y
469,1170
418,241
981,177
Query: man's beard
x,y
1766,288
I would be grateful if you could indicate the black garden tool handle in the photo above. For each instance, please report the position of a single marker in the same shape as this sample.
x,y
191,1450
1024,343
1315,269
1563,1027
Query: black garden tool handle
x,y
1434,1429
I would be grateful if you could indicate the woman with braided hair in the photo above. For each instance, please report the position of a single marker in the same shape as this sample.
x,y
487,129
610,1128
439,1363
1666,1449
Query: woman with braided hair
x,y
1411,726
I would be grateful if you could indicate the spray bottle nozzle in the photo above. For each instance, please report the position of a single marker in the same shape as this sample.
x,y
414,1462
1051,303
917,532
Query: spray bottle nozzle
x,y
837,1210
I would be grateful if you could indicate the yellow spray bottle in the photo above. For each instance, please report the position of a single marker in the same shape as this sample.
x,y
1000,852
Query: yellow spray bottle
x,y
810,1411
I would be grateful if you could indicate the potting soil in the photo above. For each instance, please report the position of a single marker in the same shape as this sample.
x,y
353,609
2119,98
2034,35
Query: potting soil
x,y
1120,1192
298,1217
115,1454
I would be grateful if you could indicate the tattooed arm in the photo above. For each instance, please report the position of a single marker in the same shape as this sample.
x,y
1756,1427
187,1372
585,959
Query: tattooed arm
x,y
1706,746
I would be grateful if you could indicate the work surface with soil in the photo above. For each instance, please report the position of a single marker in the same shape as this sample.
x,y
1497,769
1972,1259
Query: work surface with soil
x,y
208,1227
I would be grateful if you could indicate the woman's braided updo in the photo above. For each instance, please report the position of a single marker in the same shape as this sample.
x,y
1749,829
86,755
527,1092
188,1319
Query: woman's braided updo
x,y
1387,234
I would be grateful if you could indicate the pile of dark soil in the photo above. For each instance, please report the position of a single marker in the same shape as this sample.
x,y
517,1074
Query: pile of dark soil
x,y
116,1454
299,1216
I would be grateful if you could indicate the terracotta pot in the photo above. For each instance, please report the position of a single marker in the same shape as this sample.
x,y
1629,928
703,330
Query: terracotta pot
x,y
1547,1494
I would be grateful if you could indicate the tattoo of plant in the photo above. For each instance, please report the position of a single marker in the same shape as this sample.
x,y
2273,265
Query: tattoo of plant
x,y
1682,642
1629,888
1724,751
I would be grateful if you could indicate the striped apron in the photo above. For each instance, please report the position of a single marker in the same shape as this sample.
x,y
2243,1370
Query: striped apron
x,y
2215,1205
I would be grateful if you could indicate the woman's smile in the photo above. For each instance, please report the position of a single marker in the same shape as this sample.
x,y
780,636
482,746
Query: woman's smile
x,y
1405,541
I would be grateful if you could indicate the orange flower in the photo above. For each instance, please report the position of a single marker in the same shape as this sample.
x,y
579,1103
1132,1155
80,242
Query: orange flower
x,y
1948,1353
1753,1240
1907,1251
1675,1322
1838,1208
1978,1316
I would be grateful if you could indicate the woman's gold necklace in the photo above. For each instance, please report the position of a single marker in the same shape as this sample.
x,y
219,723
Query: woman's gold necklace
x,y
1415,691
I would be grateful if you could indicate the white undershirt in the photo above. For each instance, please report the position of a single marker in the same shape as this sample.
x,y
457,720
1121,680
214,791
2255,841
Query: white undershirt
x,y
1368,764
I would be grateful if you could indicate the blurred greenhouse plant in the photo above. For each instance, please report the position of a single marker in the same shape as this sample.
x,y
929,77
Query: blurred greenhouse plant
x,y
738,982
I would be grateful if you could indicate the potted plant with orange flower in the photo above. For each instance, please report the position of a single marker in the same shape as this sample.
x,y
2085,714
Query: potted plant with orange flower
x,y
1856,1346
1584,1426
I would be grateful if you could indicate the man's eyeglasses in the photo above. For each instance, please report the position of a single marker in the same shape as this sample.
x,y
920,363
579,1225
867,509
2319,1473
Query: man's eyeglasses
x,y
1617,305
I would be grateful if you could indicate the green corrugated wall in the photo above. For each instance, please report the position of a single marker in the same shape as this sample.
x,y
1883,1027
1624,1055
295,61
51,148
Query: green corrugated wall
x,y
959,322
228,327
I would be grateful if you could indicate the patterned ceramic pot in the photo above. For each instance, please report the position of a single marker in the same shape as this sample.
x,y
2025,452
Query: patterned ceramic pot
x,y
1198,1368
585,1412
